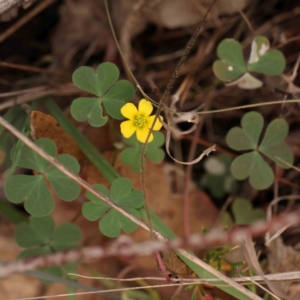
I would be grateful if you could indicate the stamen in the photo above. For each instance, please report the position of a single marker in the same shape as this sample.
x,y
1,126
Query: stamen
x,y
139,121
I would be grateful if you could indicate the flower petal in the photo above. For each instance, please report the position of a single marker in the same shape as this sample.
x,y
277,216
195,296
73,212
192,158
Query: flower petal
x,y
145,108
142,133
127,128
157,125
129,111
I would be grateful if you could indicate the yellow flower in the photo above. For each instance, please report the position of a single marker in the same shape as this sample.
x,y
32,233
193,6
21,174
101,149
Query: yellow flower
x,y
139,121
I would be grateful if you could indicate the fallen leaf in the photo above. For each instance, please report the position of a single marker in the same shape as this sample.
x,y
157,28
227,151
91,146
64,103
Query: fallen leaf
x,y
175,267
45,126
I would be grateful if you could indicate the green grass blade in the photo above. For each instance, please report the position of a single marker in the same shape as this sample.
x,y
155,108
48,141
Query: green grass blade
x,y
11,213
56,279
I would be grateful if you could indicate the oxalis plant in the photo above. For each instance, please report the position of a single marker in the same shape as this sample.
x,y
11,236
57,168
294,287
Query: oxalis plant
x,y
40,236
111,100
252,164
231,67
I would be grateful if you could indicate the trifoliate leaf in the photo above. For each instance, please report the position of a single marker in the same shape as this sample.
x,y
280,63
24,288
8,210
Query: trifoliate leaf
x,y
41,234
40,237
112,222
231,67
252,164
33,189
132,155
102,83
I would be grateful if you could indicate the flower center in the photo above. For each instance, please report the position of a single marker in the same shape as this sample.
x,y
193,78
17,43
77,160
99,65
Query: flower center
x,y
139,121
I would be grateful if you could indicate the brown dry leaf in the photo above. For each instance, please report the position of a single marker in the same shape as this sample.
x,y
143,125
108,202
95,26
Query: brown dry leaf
x,y
282,258
45,126
175,267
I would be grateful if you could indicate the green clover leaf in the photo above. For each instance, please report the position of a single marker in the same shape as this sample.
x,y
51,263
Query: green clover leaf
x,y
252,164
132,155
265,60
111,222
273,145
20,120
102,83
231,66
65,187
246,138
96,208
33,189
40,237
66,236
38,232
243,213
88,108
